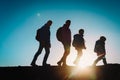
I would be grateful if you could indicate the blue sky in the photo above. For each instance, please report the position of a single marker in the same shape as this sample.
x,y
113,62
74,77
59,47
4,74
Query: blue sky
x,y
19,20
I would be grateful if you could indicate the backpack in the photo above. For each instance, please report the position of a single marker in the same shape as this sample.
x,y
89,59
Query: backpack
x,y
59,34
75,40
78,41
37,37
98,46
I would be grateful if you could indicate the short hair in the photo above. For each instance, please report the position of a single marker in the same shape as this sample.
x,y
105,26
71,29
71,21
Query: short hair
x,y
81,31
103,38
68,21
49,21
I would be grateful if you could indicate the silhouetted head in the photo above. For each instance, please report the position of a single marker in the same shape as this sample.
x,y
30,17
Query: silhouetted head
x,y
49,22
102,38
81,31
67,23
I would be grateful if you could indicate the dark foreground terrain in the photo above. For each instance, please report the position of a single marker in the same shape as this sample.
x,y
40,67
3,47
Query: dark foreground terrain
x,y
108,72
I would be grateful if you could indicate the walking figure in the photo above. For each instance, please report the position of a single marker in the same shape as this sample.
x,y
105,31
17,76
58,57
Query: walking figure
x,y
100,50
79,44
43,37
64,36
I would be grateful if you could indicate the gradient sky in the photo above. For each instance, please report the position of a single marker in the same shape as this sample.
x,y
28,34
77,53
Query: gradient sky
x,y
19,20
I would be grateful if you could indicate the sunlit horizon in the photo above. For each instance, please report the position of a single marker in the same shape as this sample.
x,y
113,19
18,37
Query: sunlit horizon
x,y
20,20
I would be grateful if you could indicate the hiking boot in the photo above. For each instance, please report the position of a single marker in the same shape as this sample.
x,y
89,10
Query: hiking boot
x,y
34,65
59,63
76,62
64,65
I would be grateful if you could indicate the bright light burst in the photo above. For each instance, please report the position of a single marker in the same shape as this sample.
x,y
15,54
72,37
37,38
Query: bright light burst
x,y
86,73
86,59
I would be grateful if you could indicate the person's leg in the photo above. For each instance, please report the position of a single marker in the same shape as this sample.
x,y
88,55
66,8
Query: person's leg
x,y
104,60
36,55
98,59
79,54
47,52
66,53
60,62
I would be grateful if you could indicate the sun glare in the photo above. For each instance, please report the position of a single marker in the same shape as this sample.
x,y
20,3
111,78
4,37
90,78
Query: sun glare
x,y
85,61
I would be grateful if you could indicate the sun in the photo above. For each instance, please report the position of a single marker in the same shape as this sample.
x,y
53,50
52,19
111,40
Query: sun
x,y
38,14
85,61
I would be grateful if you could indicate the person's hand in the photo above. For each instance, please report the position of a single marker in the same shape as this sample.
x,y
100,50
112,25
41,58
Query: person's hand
x,y
50,45
84,47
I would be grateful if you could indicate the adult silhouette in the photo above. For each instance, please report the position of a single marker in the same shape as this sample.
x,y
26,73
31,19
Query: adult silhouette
x,y
100,50
64,36
43,37
79,44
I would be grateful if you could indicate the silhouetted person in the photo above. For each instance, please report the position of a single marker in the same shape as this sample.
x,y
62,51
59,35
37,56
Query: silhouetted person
x,y
64,36
100,50
44,42
79,44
